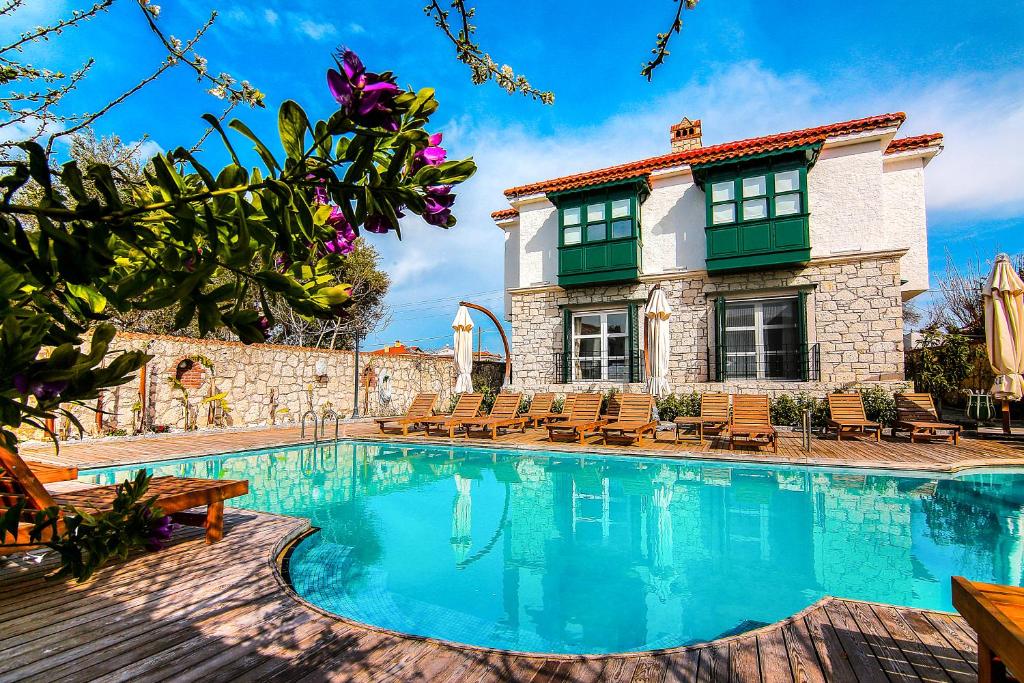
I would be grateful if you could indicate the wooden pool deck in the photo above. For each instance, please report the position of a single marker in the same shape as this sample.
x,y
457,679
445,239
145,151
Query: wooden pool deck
x,y
222,612
194,612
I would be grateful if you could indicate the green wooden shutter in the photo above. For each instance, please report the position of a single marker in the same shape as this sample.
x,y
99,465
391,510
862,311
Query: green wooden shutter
x,y
633,346
720,339
801,321
566,345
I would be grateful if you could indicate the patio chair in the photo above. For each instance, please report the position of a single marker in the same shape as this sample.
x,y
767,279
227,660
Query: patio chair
x,y
422,407
751,422
634,420
466,408
916,414
504,415
567,404
713,418
847,416
173,495
540,410
585,417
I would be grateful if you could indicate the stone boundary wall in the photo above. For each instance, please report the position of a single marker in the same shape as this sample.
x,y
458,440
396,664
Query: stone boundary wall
x,y
855,315
265,383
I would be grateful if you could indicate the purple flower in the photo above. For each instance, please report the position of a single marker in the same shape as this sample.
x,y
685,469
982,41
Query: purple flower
x,y
432,155
377,224
282,261
159,533
438,205
42,390
368,98
345,235
20,381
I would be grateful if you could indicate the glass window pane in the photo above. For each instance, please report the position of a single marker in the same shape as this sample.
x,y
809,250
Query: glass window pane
x,y
779,312
739,315
754,187
616,323
622,228
787,181
723,192
588,347
787,204
597,232
595,212
571,216
723,213
616,370
616,346
620,208
572,235
780,339
739,341
587,324
754,209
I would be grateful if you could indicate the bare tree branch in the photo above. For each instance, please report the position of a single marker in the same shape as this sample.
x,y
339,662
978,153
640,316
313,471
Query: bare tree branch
x,y
660,50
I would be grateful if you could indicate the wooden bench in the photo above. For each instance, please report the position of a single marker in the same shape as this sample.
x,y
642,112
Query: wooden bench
x,y
996,613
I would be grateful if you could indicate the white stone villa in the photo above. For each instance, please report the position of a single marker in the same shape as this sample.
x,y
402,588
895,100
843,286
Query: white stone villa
x,y
786,260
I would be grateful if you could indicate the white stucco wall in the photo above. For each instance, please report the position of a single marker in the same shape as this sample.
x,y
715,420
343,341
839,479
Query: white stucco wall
x,y
905,219
844,194
538,243
511,264
672,225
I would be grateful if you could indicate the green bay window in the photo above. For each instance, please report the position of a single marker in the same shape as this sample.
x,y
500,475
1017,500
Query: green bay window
x,y
757,211
599,234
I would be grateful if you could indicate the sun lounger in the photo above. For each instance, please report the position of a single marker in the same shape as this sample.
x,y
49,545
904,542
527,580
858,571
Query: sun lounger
x,y
567,404
585,417
847,417
916,414
751,422
540,410
422,407
504,415
996,613
713,418
174,495
634,420
466,408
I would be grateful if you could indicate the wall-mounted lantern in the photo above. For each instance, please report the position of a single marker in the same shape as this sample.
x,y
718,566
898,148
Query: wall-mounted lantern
x,y
320,370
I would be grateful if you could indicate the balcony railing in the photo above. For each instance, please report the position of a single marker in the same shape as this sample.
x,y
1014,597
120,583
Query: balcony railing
x,y
569,368
799,362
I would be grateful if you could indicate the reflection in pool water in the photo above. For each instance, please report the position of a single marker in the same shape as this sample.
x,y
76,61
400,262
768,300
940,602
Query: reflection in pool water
x,y
547,552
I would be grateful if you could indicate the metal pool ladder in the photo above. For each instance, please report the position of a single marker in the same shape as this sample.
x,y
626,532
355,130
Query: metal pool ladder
x,y
320,427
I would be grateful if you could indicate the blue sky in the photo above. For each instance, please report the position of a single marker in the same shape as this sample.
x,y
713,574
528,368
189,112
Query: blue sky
x,y
744,68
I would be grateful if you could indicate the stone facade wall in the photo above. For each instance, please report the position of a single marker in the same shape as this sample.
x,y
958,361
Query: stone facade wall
x,y
854,314
265,384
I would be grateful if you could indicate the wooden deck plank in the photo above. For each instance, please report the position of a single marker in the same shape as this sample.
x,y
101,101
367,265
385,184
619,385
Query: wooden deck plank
x,y
887,652
803,660
831,653
772,657
862,659
913,648
714,664
683,667
954,631
954,664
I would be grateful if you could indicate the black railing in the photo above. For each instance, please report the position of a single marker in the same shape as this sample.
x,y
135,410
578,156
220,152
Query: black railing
x,y
799,362
569,368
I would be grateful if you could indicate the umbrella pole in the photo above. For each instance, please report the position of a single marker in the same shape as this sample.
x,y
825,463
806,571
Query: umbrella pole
x,y
1006,416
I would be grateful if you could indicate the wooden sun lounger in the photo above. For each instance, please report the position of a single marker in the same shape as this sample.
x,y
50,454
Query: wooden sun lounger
x,y
173,496
540,410
713,418
49,474
916,414
567,404
504,415
996,613
422,407
847,417
751,422
466,408
634,420
585,417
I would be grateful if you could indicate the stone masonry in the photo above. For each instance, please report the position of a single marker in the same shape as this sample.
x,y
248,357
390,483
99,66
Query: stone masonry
x,y
854,314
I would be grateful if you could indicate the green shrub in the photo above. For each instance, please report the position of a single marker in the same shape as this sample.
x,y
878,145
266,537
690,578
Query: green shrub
x,y
524,403
880,404
557,405
787,410
605,397
679,405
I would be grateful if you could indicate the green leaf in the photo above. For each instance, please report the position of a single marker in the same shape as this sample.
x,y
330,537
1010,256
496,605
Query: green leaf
x,y
292,125
268,158
97,302
215,124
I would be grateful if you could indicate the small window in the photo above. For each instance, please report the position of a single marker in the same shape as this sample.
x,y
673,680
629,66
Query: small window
x,y
755,209
723,192
754,187
620,208
787,181
595,212
572,235
571,216
597,232
621,229
787,204
723,213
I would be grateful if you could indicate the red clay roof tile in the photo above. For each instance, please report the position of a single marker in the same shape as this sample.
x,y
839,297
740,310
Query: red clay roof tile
x,y
703,155
916,142
504,214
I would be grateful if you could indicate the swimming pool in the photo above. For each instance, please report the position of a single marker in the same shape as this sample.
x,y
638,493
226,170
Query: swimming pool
x,y
547,552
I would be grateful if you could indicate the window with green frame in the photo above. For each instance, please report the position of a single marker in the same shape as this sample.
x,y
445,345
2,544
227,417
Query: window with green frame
x,y
760,195
597,218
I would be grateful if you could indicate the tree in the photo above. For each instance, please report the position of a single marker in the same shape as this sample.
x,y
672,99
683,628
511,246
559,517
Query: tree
x,y
960,306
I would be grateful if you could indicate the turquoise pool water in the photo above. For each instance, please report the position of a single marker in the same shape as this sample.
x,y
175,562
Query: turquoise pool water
x,y
545,552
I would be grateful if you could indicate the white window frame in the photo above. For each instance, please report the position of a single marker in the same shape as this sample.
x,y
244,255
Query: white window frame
x,y
603,336
758,329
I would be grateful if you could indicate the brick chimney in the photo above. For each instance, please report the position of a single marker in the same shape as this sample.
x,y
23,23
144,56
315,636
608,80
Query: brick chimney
x,y
685,135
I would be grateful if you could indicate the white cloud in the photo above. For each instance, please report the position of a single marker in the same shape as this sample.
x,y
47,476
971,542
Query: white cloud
x,y
315,30
146,149
356,29
270,16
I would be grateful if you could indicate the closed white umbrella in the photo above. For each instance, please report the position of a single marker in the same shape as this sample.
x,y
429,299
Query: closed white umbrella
x,y
463,326
1004,333
658,341
462,518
